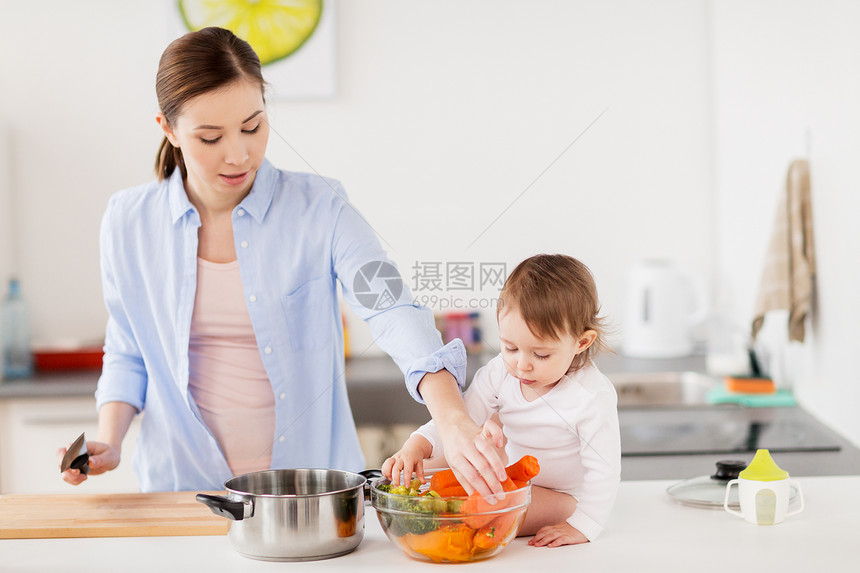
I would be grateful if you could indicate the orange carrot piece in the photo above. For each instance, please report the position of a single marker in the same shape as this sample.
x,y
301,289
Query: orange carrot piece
x,y
525,469
452,491
475,507
503,524
485,538
460,491
496,531
442,480
445,482
509,485
449,542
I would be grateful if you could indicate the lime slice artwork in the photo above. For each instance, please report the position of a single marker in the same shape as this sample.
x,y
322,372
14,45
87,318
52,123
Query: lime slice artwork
x,y
274,28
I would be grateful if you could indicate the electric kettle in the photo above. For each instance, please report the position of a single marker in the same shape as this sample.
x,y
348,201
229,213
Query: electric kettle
x,y
663,305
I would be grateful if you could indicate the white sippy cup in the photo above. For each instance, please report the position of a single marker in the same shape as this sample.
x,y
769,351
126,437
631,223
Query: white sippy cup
x,y
764,490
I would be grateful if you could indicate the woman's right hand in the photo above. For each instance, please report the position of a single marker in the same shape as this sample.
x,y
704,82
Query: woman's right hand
x,y
103,458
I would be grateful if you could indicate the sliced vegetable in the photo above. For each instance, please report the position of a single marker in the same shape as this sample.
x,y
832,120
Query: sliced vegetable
x,y
526,468
485,538
448,543
452,491
478,508
521,472
443,480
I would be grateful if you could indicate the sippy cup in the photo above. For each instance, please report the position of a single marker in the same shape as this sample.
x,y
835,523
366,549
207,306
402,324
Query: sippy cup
x,y
764,490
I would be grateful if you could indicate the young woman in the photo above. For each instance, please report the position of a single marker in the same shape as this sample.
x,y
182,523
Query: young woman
x,y
220,279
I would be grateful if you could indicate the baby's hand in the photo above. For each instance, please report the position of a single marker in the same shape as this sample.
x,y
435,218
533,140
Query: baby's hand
x,y
557,535
492,432
408,461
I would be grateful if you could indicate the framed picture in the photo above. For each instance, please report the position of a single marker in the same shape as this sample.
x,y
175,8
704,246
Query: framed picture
x,y
295,40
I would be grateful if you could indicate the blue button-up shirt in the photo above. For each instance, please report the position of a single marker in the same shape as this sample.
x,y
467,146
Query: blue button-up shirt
x,y
296,237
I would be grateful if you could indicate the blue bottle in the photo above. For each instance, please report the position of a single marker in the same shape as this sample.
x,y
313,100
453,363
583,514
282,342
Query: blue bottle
x,y
17,356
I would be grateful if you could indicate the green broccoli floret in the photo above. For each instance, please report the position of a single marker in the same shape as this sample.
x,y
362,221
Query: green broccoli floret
x,y
415,511
453,505
401,524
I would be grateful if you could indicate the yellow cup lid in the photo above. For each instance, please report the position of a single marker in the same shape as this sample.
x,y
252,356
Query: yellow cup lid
x,y
763,468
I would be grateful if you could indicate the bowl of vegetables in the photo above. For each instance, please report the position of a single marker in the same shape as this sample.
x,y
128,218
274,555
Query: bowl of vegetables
x,y
438,522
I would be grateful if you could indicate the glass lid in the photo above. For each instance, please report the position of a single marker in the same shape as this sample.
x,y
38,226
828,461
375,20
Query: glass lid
x,y
709,492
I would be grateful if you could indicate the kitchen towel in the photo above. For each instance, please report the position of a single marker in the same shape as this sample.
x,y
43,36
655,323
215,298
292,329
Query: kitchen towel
x,y
789,267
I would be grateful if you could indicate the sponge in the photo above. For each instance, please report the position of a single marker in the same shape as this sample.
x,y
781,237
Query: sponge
x,y
780,398
749,385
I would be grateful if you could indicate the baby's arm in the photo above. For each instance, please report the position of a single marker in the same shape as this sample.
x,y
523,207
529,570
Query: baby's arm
x,y
408,460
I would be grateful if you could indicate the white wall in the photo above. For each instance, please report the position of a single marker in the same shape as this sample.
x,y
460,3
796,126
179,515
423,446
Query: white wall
x,y
6,219
79,101
445,113
788,85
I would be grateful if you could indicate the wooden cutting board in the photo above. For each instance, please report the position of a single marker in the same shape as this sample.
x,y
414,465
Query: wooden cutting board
x,y
107,515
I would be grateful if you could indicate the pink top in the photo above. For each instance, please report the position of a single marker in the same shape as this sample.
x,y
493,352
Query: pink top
x,y
227,378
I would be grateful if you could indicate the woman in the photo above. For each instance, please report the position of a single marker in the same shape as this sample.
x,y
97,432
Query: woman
x,y
220,281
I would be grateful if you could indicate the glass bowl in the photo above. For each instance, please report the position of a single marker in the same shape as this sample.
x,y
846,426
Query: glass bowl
x,y
449,529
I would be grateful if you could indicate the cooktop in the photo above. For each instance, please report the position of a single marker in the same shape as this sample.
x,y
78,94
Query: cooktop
x,y
722,430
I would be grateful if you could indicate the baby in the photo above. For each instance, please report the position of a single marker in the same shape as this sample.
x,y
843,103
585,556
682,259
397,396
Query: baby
x,y
552,401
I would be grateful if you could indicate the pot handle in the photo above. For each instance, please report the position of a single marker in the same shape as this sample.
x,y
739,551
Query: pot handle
x,y
369,474
225,507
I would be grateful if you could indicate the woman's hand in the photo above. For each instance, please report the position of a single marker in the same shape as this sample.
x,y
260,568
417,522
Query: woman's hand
x,y
474,460
103,458
557,535
408,461
472,457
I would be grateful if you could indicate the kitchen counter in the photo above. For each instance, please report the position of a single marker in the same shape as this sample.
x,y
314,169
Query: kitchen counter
x,y
647,532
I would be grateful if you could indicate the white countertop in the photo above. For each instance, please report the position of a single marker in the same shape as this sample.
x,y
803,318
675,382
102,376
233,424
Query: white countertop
x,y
647,532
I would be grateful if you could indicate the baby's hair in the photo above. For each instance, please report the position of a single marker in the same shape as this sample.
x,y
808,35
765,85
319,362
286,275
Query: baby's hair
x,y
555,295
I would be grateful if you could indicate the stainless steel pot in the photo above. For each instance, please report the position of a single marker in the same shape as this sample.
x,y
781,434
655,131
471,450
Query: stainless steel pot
x,y
294,514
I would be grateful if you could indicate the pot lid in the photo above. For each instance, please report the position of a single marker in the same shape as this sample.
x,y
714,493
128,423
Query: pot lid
x,y
709,492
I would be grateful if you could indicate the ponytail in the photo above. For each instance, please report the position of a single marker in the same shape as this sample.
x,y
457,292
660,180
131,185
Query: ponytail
x,y
168,159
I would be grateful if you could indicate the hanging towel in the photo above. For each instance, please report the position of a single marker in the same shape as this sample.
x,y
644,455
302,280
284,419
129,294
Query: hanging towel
x,y
789,267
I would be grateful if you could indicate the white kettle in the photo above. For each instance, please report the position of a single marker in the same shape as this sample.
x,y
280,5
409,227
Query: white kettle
x,y
663,306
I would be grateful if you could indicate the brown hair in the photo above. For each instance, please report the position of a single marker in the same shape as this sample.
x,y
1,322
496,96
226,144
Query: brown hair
x,y
194,64
556,295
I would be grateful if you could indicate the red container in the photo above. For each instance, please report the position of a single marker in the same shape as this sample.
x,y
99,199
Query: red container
x,y
78,359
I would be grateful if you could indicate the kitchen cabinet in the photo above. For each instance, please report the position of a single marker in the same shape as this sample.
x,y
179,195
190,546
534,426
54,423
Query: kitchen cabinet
x,y
31,430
